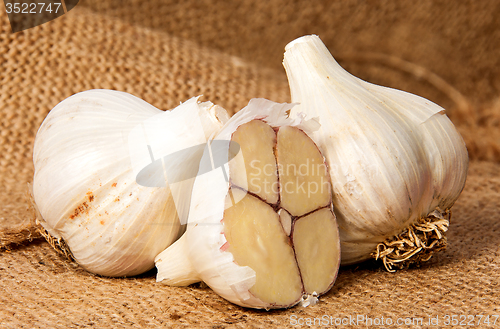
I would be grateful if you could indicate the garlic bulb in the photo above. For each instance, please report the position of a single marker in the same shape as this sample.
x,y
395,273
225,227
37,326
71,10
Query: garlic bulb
x,y
90,155
396,161
261,230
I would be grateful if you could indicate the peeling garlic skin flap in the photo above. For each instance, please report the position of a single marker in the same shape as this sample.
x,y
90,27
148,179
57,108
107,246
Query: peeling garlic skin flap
x,y
276,238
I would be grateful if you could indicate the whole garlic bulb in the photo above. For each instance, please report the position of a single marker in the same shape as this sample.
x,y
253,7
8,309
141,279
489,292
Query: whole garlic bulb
x,y
261,230
88,154
396,161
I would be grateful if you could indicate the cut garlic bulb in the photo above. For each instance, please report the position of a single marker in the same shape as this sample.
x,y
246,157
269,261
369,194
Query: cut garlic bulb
x,y
88,156
261,230
396,161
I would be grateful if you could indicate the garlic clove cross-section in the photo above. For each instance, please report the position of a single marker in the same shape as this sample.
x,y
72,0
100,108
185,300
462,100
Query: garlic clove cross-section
x,y
256,239
302,172
270,237
256,140
315,241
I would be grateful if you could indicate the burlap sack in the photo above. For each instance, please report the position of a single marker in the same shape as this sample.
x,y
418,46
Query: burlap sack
x,y
166,52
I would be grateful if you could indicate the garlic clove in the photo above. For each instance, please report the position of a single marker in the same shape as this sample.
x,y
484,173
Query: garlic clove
x,y
315,240
85,184
241,244
304,181
259,175
286,221
394,157
255,239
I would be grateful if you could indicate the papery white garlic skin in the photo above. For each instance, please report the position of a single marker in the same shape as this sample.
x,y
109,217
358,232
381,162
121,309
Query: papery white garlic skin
x,y
85,184
199,254
393,156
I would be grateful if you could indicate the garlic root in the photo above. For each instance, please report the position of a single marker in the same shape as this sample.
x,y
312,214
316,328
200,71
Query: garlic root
x,y
59,245
417,243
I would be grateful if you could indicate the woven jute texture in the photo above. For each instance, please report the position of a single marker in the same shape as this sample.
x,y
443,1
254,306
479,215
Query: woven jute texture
x,y
168,51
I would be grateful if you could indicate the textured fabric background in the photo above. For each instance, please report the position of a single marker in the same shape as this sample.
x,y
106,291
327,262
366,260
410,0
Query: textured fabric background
x,y
230,51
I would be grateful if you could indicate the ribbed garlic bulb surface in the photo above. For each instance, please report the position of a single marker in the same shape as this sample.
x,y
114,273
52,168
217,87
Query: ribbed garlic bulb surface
x,y
261,230
396,161
86,184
